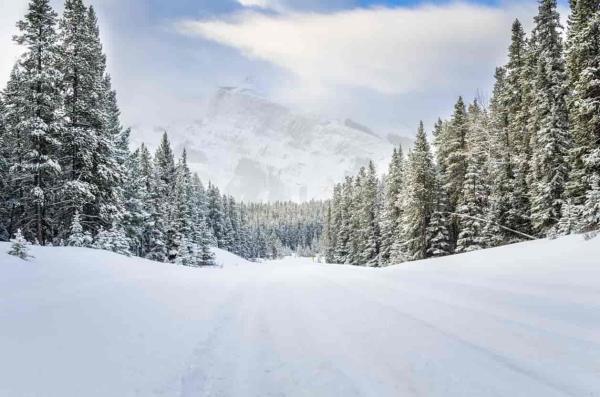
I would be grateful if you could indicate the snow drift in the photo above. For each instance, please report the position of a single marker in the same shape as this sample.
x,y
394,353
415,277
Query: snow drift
x,y
522,320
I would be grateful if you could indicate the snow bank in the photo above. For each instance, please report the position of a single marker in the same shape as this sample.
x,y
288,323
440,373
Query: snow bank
x,y
522,320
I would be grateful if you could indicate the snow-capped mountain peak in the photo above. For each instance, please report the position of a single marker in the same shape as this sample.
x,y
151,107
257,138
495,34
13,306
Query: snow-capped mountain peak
x,y
258,150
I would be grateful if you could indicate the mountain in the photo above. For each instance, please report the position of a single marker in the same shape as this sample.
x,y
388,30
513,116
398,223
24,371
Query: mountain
x,y
258,150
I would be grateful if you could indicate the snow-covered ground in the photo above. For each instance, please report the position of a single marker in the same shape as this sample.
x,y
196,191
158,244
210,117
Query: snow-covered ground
x,y
522,320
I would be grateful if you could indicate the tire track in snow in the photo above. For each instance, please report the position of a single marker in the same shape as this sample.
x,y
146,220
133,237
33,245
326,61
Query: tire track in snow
x,y
498,358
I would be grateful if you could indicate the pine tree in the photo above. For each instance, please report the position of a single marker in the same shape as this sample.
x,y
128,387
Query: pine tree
x,y
216,215
369,235
186,254
438,235
164,188
228,242
36,106
182,221
591,211
583,62
114,240
456,161
82,116
108,159
135,198
391,212
474,203
205,256
328,236
76,238
153,227
344,232
551,141
501,163
19,246
418,198
472,210
233,215
4,167
355,243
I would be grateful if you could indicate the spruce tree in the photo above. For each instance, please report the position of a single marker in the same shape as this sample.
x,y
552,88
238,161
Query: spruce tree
x,y
19,246
472,210
80,86
501,163
391,210
4,167
583,61
437,234
164,188
204,256
369,235
418,198
328,238
76,237
455,162
344,232
135,198
551,140
11,156
36,106
216,215
182,220
154,228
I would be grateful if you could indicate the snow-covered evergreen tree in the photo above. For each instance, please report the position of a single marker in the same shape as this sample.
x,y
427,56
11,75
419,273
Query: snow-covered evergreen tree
x,y
583,61
551,141
204,255
4,168
135,198
216,215
77,238
35,119
344,231
369,233
418,198
474,204
163,191
114,240
472,210
437,234
456,149
81,90
391,211
19,246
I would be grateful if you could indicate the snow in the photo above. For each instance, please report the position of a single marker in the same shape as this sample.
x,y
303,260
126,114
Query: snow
x,y
522,320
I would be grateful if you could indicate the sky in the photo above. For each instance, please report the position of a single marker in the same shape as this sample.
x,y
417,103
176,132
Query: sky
x,y
386,64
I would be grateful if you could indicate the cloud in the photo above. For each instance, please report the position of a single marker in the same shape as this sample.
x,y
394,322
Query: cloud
x,y
256,3
388,50
12,11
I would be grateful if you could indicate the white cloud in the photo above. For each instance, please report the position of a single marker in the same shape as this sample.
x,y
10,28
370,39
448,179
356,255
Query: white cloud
x,y
256,3
389,50
12,11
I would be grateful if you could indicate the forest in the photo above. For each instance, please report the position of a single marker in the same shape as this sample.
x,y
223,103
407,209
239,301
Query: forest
x,y
524,166
68,176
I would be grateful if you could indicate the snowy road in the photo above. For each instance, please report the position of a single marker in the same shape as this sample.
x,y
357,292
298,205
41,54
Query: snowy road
x,y
516,321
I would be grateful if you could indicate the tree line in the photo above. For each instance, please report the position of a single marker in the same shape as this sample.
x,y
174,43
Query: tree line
x,y
68,177
525,166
